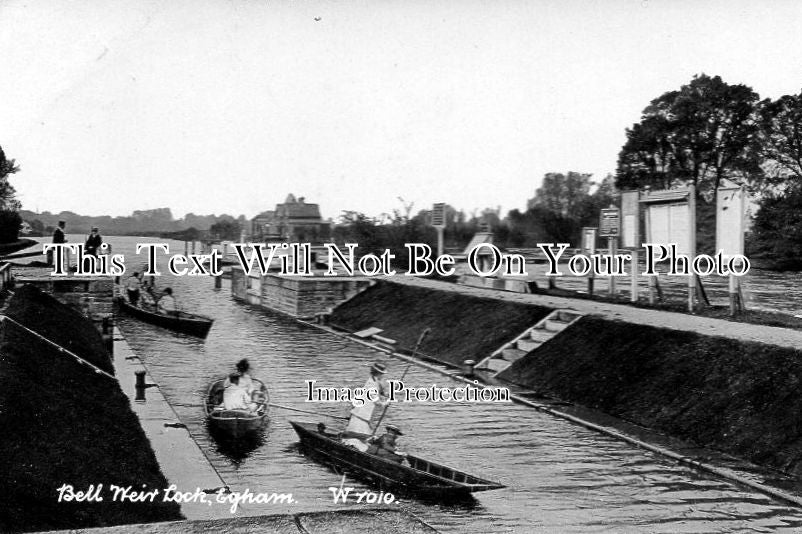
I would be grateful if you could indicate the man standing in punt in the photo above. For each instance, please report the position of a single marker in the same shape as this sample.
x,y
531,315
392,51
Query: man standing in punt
x,y
358,427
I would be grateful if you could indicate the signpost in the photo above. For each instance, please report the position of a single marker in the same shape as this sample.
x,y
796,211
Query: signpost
x,y
630,233
610,227
730,207
439,222
671,218
588,248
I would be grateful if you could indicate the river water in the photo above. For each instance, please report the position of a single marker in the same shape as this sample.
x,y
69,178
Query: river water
x,y
559,477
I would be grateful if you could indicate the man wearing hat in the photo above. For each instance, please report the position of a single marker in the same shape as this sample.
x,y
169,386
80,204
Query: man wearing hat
x,y
359,423
385,447
58,237
93,242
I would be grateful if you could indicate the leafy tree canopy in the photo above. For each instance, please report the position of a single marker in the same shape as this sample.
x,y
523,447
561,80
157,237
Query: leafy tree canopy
x,y
700,134
781,139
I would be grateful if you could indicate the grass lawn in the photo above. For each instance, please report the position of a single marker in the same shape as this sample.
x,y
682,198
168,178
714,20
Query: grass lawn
x,y
462,327
740,397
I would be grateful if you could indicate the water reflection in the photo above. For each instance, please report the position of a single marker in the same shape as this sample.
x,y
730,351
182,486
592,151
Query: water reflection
x,y
237,449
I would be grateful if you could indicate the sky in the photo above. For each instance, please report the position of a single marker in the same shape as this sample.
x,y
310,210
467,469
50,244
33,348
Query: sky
x,y
228,106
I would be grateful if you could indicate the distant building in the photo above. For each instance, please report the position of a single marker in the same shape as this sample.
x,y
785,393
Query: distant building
x,y
294,220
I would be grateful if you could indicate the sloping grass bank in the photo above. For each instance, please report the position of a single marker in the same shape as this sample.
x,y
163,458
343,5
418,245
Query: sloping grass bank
x,y
739,397
462,327
65,424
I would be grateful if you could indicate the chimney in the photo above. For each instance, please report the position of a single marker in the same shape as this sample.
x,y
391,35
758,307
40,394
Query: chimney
x,y
300,200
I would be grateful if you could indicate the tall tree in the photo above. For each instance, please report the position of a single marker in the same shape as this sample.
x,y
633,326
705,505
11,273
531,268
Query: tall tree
x,y
7,191
781,139
700,134
777,229
561,193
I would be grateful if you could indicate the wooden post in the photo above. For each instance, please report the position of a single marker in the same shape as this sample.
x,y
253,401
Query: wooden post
x,y
633,288
612,244
186,248
589,247
649,279
440,232
691,246
733,296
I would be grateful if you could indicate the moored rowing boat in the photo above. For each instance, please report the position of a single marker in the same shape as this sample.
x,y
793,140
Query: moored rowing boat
x,y
186,323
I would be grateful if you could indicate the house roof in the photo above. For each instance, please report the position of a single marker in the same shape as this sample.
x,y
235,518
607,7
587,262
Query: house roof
x,y
292,208
269,214
298,210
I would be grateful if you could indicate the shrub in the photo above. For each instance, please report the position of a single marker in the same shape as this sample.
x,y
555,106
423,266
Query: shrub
x,y
10,222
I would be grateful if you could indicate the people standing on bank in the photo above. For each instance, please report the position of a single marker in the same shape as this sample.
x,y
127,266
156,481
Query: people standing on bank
x,y
132,286
359,423
58,234
167,304
58,237
93,242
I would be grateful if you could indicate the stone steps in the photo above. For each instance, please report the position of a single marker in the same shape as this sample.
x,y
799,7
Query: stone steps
x,y
529,341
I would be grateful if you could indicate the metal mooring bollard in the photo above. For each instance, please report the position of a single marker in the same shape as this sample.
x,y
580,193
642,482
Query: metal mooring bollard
x,y
141,386
218,282
467,367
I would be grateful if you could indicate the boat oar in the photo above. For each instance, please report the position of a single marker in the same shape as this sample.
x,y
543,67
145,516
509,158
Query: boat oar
x,y
306,411
414,351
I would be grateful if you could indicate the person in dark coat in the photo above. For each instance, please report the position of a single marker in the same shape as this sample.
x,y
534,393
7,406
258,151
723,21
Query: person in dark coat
x,y
385,446
58,233
58,237
93,242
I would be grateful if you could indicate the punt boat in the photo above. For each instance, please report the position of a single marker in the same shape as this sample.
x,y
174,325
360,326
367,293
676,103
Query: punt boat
x,y
422,478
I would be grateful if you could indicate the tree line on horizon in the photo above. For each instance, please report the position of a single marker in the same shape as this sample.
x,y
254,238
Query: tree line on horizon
x,y
141,222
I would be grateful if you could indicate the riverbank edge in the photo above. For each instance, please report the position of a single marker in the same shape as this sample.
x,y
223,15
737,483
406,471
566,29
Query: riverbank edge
x,y
59,397
615,430
381,519
178,454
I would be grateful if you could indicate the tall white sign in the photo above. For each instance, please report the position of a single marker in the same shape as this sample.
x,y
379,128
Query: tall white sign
x,y
730,203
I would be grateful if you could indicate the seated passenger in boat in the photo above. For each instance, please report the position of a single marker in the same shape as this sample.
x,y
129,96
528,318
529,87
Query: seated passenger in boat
x,y
236,397
385,447
147,301
245,380
167,303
